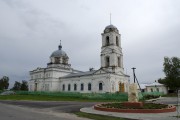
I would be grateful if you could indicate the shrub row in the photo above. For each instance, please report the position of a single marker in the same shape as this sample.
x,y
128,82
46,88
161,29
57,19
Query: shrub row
x,y
92,96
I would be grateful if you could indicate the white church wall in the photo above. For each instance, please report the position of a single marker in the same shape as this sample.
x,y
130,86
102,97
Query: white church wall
x,y
94,80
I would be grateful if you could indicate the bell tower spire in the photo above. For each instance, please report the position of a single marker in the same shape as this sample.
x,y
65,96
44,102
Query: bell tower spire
x,y
60,46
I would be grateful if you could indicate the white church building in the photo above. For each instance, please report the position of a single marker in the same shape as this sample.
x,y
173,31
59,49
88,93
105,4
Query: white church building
x,y
60,76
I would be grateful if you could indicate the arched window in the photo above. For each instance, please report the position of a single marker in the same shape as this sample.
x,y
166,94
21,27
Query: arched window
x,y
75,87
107,40
69,87
63,87
113,86
119,63
107,59
100,86
151,90
64,61
82,86
117,41
57,59
157,89
89,86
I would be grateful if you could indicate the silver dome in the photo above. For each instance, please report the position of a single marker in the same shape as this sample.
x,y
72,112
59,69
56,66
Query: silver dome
x,y
110,26
59,53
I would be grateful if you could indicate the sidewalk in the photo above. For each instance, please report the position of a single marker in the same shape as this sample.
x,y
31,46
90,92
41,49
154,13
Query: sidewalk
x,y
138,116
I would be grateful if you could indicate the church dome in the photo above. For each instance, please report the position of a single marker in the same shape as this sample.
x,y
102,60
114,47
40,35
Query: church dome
x,y
110,28
59,53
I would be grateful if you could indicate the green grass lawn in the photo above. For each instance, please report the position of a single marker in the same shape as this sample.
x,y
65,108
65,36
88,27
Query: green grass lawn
x,y
98,117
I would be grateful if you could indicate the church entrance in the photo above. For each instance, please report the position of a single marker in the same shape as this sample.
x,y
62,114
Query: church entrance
x,y
35,89
121,87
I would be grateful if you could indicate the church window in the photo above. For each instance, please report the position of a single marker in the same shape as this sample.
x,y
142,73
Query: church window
x,y
100,86
75,87
119,63
107,61
82,86
113,86
63,87
107,40
157,89
151,90
89,86
64,60
46,75
57,59
69,87
117,41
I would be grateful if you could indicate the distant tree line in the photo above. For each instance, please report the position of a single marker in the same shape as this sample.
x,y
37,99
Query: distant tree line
x,y
20,86
4,84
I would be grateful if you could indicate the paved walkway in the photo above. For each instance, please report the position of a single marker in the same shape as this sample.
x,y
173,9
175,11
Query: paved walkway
x,y
138,116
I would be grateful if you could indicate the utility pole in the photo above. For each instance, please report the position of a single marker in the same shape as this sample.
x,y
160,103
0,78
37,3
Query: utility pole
x,y
134,74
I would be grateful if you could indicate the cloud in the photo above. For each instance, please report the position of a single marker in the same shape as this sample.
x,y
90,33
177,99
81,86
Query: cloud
x,y
30,31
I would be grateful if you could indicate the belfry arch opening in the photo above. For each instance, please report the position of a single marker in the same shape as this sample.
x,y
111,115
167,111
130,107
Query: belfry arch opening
x,y
107,40
119,62
117,41
107,60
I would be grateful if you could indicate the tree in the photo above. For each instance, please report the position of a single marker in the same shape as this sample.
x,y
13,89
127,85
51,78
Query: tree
x,y
17,86
24,85
4,83
172,72
20,86
162,81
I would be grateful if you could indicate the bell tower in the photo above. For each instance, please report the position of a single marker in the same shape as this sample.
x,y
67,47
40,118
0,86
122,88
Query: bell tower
x,y
111,51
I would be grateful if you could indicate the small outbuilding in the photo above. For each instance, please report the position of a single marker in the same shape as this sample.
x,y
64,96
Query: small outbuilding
x,y
156,87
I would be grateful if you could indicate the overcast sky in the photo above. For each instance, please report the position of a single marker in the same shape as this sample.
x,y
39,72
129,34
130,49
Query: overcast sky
x,y
30,31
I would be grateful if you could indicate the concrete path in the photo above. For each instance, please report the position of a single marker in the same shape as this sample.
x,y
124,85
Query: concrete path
x,y
138,116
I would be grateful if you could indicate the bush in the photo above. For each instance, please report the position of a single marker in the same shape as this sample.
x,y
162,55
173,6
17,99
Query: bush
x,y
1,91
151,96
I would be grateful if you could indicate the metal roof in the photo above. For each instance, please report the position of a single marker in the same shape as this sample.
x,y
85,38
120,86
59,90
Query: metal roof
x,y
58,53
79,74
154,84
111,26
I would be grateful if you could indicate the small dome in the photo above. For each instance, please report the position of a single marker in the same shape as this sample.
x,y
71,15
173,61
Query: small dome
x,y
59,53
110,26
